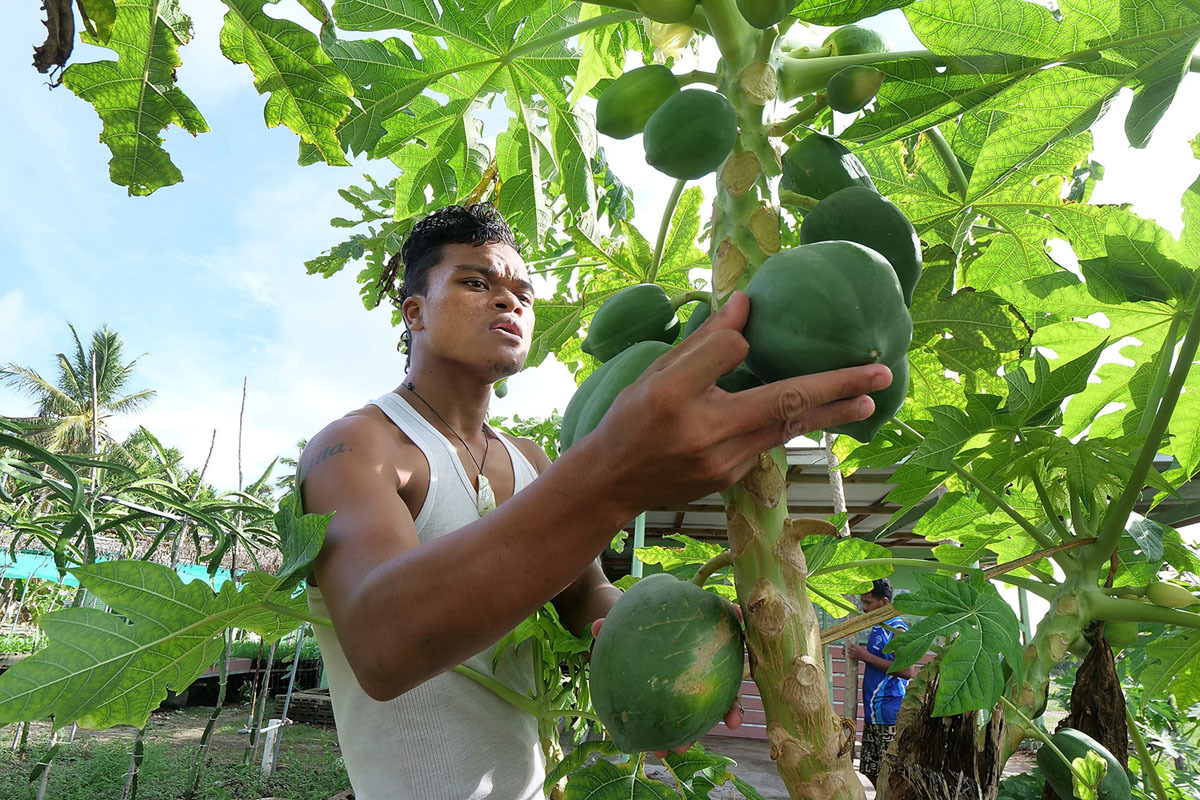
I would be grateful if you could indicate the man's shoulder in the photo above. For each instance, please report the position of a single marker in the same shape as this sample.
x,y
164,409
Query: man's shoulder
x,y
362,435
531,450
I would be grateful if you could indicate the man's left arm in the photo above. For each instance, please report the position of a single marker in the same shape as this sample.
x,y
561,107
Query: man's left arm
x,y
590,596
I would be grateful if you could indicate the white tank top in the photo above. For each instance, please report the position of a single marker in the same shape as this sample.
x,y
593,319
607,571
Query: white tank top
x,y
449,737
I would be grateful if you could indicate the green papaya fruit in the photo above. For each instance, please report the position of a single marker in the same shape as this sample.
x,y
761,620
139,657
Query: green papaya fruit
x,y
853,40
592,399
690,134
699,314
628,102
850,89
764,14
855,214
827,306
667,664
888,402
819,165
739,380
1076,744
634,314
1169,595
500,387
666,11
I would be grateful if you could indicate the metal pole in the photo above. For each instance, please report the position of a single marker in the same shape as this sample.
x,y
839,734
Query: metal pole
x,y
639,540
1023,600
287,698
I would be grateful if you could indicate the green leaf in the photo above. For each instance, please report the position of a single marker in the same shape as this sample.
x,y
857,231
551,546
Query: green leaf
x,y
99,17
102,671
824,556
607,781
386,76
1033,401
308,93
1142,262
953,428
983,630
1088,772
841,12
576,759
136,96
603,52
300,538
1173,667
694,553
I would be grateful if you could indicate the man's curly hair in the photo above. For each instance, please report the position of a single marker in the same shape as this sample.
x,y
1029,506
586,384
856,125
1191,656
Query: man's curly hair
x,y
476,224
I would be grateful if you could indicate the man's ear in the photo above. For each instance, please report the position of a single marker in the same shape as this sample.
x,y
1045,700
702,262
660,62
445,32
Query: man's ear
x,y
412,310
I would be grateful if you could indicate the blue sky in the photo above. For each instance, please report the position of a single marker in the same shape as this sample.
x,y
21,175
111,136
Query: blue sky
x,y
206,278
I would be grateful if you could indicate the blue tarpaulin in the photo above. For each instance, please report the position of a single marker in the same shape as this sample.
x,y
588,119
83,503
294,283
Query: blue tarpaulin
x,y
41,565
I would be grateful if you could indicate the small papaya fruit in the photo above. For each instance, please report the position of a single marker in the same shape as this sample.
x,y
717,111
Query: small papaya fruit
x,y
634,314
1169,595
1075,744
850,89
764,14
820,165
853,40
860,215
596,394
628,102
690,134
666,11
699,314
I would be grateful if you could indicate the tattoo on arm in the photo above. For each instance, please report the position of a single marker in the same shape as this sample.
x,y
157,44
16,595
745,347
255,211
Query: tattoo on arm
x,y
308,462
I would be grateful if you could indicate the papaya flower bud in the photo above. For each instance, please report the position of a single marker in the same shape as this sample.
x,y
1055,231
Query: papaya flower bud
x,y
669,39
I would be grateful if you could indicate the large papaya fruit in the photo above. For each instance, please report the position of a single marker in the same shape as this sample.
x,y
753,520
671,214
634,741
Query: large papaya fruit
x,y
850,89
628,102
819,165
666,10
826,306
594,396
667,664
635,314
1076,744
690,134
853,40
763,14
855,214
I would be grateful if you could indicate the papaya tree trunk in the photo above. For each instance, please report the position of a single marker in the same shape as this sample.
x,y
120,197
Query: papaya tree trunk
x,y
811,747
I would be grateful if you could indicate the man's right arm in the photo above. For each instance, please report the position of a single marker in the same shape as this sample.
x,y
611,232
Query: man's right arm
x,y
404,613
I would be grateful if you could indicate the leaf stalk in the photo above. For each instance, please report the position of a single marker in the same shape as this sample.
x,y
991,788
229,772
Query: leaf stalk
x,y
663,228
946,153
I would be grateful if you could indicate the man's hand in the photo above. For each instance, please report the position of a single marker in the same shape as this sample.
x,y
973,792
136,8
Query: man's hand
x,y
733,717
673,436
857,652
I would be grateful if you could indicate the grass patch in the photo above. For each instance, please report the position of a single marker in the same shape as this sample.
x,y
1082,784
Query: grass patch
x,y
94,766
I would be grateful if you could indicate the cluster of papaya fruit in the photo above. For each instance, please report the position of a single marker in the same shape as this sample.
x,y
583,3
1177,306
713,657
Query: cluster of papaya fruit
x,y
840,299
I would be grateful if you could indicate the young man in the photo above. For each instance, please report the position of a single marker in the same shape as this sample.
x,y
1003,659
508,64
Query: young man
x,y
441,540
882,690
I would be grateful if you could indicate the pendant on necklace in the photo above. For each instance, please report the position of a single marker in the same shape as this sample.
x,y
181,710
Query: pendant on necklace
x,y
486,499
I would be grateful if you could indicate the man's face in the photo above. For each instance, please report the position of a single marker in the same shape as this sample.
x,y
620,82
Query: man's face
x,y
477,309
870,602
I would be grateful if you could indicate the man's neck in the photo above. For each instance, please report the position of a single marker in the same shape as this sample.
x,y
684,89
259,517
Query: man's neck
x,y
447,396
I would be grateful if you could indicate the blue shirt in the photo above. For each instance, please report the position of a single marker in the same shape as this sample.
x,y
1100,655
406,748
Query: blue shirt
x,y
882,692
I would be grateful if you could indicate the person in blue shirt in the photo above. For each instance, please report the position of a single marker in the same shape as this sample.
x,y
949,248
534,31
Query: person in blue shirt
x,y
882,689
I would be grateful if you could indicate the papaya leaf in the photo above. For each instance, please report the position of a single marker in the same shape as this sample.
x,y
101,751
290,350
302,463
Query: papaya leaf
x,y
577,758
693,554
607,781
300,538
99,16
698,772
1173,667
1031,400
983,632
1142,262
136,96
308,93
602,53
103,669
953,428
825,554
386,77
841,12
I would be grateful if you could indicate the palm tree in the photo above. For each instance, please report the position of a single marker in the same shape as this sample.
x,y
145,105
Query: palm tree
x,y
67,408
